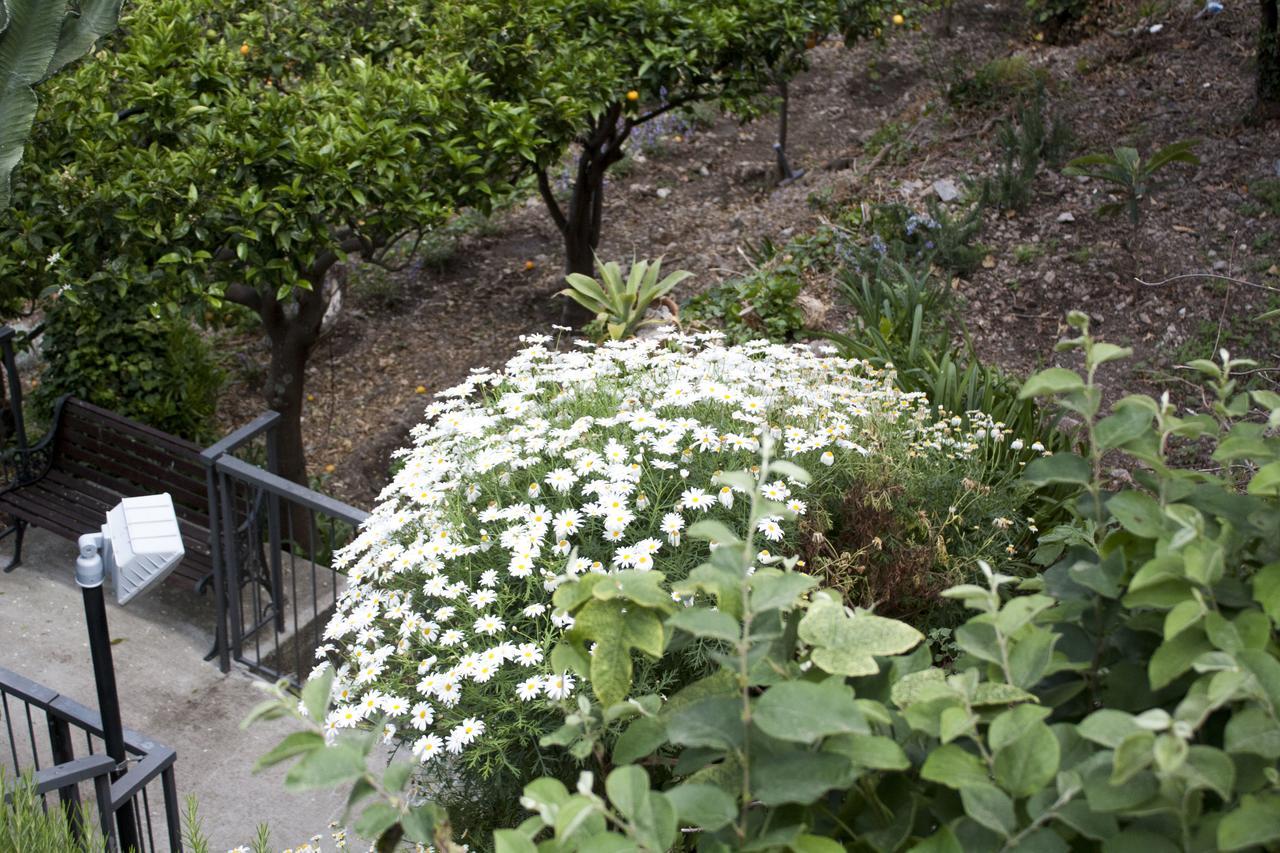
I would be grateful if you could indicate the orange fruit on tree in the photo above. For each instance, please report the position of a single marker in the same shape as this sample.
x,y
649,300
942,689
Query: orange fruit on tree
x,y
633,95
244,50
899,20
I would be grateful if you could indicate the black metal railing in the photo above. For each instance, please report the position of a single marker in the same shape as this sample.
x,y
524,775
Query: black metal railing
x,y
44,729
272,542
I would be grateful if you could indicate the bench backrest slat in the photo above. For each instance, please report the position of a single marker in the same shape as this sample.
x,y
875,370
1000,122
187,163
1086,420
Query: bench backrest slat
x,y
101,447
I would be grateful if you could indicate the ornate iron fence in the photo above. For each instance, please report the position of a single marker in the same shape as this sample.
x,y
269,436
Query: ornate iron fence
x,y
43,729
272,546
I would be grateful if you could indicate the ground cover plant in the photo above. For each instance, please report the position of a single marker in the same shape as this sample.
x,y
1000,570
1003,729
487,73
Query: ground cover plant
x,y
596,460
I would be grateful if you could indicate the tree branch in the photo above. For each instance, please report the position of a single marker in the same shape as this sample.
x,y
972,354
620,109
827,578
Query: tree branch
x,y
243,294
665,108
549,199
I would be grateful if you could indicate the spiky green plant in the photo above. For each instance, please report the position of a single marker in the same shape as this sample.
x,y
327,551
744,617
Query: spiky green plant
x,y
620,305
37,39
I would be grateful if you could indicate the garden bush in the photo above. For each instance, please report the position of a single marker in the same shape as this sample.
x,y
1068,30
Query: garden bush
x,y
117,348
597,460
29,824
1126,698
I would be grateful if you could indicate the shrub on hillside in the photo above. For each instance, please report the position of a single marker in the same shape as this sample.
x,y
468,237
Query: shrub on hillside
x,y
597,460
1126,699
117,348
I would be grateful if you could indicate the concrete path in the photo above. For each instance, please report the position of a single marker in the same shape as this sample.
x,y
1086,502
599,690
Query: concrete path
x,y
166,691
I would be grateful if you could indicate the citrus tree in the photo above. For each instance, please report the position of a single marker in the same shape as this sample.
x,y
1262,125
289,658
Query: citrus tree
x,y
236,152
591,71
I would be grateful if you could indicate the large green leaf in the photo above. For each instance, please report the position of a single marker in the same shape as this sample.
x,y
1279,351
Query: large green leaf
x,y
29,41
17,112
80,32
616,629
990,807
806,712
1029,763
954,767
1050,382
704,806
799,776
848,645
1058,468
1255,823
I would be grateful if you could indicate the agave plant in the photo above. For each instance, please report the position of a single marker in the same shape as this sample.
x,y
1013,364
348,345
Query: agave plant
x,y
620,305
37,39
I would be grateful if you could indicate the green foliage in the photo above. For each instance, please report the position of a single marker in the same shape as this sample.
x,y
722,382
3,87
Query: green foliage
x,y
231,152
38,38
620,305
1127,696
996,84
1056,15
894,136
1267,193
1023,144
761,304
904,318
590,72
117,348
26,825
1129,176
382,805
1149,643
944,235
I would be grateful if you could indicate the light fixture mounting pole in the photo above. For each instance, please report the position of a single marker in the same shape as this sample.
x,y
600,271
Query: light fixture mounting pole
x,y
89,576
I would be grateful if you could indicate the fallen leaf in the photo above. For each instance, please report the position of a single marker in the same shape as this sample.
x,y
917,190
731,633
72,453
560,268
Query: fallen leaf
x,y
989,262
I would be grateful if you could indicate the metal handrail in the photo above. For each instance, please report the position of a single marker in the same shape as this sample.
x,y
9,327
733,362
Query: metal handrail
x,y
240,437
154,760
281,487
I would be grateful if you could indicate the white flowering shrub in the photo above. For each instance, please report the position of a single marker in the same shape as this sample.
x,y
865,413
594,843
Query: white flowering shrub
x,y
591,460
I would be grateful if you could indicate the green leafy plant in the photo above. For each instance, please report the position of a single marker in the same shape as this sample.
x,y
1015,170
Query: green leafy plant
x,y
27,825
38,38
1024,143
590,73
903,326
995,84
1127,696
225,152
119,349
1131,177
1056,16
620,305
760,304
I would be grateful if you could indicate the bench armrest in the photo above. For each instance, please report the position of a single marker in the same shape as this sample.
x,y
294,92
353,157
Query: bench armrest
x,y
22,466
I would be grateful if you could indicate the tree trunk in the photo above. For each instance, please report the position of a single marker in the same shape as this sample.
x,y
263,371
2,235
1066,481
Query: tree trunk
x,y
1268,105
784,113
293,335
581,224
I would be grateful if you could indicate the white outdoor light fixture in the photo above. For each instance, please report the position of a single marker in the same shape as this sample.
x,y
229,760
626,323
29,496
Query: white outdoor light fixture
x,y
140,544
138,547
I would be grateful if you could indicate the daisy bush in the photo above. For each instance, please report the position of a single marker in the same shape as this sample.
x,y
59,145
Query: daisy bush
x,y
596,459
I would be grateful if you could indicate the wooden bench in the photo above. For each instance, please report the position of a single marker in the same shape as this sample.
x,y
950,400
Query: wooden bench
x,y
93,457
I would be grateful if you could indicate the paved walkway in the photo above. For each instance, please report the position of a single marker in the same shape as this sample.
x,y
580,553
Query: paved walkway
x,y
166,691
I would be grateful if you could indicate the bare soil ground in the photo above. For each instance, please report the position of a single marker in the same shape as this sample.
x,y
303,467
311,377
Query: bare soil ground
x,y
700,196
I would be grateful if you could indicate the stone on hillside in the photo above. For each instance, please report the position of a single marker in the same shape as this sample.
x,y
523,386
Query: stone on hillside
x,y
946,189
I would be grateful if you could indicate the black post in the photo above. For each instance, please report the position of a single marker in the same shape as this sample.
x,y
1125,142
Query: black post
x,y
104,675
